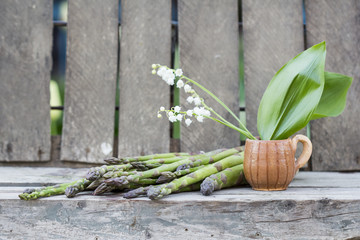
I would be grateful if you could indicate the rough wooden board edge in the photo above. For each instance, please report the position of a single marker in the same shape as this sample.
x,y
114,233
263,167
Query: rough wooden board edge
x,y
131,219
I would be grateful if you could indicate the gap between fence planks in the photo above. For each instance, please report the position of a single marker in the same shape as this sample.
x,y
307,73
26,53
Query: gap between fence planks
x,y
25,65
145,40
92,47
209,54
336,140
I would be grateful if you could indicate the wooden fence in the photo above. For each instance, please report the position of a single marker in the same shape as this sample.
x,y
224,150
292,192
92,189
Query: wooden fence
x,y
208,38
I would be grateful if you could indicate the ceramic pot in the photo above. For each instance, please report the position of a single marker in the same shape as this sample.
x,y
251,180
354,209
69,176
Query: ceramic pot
x,y
271,165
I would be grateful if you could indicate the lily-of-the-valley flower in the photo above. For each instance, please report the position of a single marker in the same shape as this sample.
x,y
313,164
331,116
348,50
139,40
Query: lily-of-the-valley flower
x,y
187,88
189,112
179,117
178,72
188,122
190,99
200,118
197,101
172,118
180,83
177,109
200,110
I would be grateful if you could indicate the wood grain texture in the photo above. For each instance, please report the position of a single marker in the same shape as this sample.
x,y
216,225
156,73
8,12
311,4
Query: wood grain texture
x,y
25,65
273,34
209,54
316,206
336,140
39,176
145,40
90,80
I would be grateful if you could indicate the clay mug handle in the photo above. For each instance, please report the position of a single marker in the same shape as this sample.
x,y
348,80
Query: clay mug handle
x,y
307,150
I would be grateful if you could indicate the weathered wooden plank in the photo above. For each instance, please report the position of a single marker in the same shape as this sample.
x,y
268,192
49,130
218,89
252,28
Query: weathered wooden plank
x,y
209,53
324,204
38,176
54,159
184,216
25,65
88,130
145,40
336,140
273,34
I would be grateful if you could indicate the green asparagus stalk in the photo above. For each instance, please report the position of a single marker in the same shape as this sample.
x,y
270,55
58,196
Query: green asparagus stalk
x,y
172,166
197,176
169,176
142,191
98,172
118,183
103,188
47,191
79,186
229,177
153,156
109,185
114,174
155,162
145,166
113,161
94,184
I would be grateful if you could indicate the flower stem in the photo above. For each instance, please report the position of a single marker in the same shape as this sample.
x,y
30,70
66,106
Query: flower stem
x,y
230,125
243,128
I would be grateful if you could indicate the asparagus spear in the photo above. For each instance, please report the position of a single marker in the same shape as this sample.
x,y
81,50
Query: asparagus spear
x,y
144,165
103,188
79,186
98,172
157,192
109,185
142,191
153,156
203,160
169,176
227,178
47,191
114,174
117,182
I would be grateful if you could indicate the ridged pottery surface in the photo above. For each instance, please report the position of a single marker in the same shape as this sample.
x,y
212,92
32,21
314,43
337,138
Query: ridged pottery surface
x,y
270,165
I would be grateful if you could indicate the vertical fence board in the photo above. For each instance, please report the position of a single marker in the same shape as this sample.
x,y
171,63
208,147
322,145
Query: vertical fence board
x,y
273,34
25,65
209,43
336,140
145,39
88,130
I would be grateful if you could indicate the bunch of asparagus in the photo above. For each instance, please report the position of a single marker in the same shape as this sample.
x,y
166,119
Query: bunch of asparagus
x,y
156,176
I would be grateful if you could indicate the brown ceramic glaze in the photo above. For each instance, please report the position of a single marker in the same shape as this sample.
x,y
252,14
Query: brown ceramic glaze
x,y
271,165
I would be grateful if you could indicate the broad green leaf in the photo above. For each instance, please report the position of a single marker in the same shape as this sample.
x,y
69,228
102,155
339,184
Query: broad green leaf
x,y
333,98
292,95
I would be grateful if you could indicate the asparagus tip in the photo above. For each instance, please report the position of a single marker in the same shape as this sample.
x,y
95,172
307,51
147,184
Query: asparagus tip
x,y
207,187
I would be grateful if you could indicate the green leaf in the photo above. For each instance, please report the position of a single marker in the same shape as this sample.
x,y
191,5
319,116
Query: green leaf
x,y
292,95
333,98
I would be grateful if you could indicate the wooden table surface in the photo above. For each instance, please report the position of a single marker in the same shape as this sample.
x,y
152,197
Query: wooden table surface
x,y
317,205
